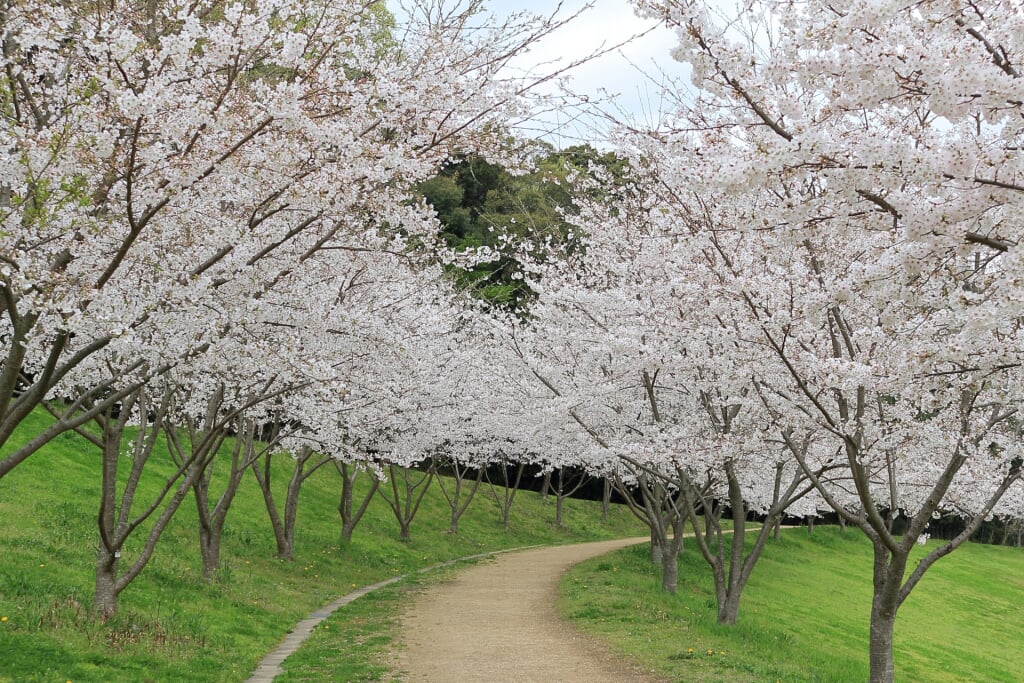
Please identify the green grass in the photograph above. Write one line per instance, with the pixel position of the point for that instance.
(804, 615)
(174, 626)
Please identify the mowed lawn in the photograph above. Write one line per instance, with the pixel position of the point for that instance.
(804, 615)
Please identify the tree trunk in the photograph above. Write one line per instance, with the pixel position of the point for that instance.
(606, 500)
(729, 608)
(657, 548)
(114, 520)
(284, 549)
(810, 524)
(731, 570)
(669, 570)
(350, 516)
(883, 621)
(545, 486)
(209, 548)
(405, 500)
(459, 497)
(566, 486)
(204, 446)
(509, 490)
(104, 599)
(888, 571)
(284, 525)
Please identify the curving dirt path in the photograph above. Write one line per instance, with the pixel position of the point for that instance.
(496, 622)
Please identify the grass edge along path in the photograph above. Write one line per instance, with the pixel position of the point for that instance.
(804, 616)
(270, 666)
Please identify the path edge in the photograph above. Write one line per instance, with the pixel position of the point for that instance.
(270, 666)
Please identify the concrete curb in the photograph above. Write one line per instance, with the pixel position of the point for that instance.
(270, 666)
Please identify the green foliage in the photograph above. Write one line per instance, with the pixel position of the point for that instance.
(48, 549)
(481, 204)
(804, 617)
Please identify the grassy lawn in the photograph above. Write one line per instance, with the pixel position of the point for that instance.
(804, 615)
(174, 626)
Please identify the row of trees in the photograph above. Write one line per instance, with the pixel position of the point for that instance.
(211, 227)
(808, 295)
(800, 292)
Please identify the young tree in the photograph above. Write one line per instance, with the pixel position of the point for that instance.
(348, 511)
(305, 462)
(660, 507)
(504, 491)
(464, 482)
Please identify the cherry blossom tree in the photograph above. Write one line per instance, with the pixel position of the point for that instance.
(850, 178)
(635, 348)
(162, 157)
(350, 513)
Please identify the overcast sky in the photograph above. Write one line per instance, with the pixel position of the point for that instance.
(630, 74)
(619, 74)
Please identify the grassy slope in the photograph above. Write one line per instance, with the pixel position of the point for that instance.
(804, 616)
(174, 626)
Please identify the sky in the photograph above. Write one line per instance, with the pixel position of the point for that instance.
(625, 80)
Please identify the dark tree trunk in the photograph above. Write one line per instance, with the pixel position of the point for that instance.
(459, 497)
(888, 572)
(606, 500)
(660, 511)
(891, 587)
(731, 564)
(545, 486)
(669, 570)
(405, 500)
(283, 522)
(565, 486)
(115, 522)
(105, 594)
(883, 668)
(350, 515)
(657, 546)
(209, 547)
(213, 517)
(729, 610)
(508, 491)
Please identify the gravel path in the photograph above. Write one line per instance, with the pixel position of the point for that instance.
(496, 622)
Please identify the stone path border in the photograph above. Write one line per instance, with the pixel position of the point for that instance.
(270, 666)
